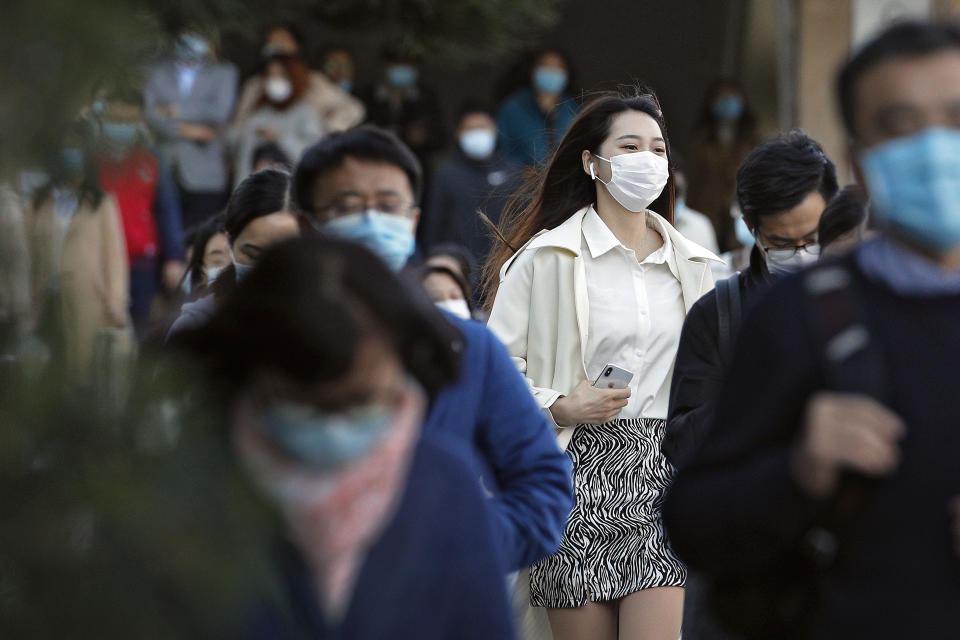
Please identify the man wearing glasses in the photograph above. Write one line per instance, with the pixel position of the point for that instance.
(364, 185)
(783, 187)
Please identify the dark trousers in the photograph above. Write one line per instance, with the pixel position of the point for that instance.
(143, 287)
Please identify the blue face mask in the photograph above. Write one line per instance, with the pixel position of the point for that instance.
(478, 143)
(71, 159)
(549, 80)
(402, 76)
(121, 135)
(324, 441)
(914, 185)
(242, 271)
(744, 235)
(387, 235)
(191, 48)
(728, 107)
(345, 85)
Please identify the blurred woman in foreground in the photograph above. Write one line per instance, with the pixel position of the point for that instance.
(330, 363)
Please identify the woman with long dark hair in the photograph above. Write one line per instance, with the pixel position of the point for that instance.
(599, 281)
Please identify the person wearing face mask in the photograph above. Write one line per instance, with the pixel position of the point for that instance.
(448, 290)
(725, 132)
(589, 276)
(782, 187)
(284, 116)
(149, 207)
(258, 216)
(339, 67)
(336, 109)
(189, 99)
(476, 177)
(78, 257)
(329, 364)
(533, 118)
(209, 257)
(859, 471)
(363, 185)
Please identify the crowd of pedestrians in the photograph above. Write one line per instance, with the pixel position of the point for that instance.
(518, 393)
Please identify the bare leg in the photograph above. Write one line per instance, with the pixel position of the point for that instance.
(652, 614)
(595, 621)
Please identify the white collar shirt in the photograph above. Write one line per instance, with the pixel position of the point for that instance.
(636, 312)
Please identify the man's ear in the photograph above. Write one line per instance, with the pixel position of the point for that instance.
(415, 216)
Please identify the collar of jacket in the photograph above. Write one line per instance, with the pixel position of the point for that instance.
(568, 234)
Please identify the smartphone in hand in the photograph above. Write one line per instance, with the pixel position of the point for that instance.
(613, 377)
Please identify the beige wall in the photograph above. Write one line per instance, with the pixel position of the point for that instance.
(823, 42)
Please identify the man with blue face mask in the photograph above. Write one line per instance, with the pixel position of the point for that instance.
(859, 472)
(364, 185)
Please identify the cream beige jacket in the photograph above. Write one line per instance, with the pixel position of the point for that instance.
(541, 309)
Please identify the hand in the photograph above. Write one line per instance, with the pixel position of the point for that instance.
(267, 133)
(845, 431)
(954, 506)
(588, 405)
(196, 132)
(173, 271)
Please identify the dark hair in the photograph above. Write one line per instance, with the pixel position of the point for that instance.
(908, 39)
(84, 131)
(271, 152)
(258, 195)
(290, 28)
(198, 241)
(463, 256)
(780, 173)
(471, 106)
(363, 143)
(707, 122)
(307, 307)
(844, 213)
(431, 269)
(562, 188)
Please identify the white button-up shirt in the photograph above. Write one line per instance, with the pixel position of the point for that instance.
(636, 314)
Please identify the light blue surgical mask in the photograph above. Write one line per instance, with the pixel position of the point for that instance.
(191, 47)
(549, 79)
(71, 159)
(389, 236)
(242, 271)
(402, 76)
(744, 235)
(478, 143)
(728, 107)
(121, 135)
(914, 185)
(345, 85)
(324, 441)
(213, 272)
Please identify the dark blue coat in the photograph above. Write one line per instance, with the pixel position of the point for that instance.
(490, 410)
(527, 135)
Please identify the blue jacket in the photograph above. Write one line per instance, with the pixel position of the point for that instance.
(527, 136)
(434, 573)
(490, 410)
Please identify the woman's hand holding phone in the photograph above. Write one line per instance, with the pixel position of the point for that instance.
(587, 404)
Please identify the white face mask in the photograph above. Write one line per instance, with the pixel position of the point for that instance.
(636, 179)
(478, 143)
(277, 89)
(459, 308)
(781, 261)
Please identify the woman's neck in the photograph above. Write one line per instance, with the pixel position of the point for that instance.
(630, 228)
(546, 101)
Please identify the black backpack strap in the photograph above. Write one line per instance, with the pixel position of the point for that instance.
(728, 315)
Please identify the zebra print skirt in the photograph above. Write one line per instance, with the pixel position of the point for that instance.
(614, 543)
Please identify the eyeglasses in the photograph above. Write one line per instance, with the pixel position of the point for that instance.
(350, 206)
(812, 247)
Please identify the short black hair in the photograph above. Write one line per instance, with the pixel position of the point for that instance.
(271, 152)
(366, 142)
(908, 39)
(780, 173)
(844, 213)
